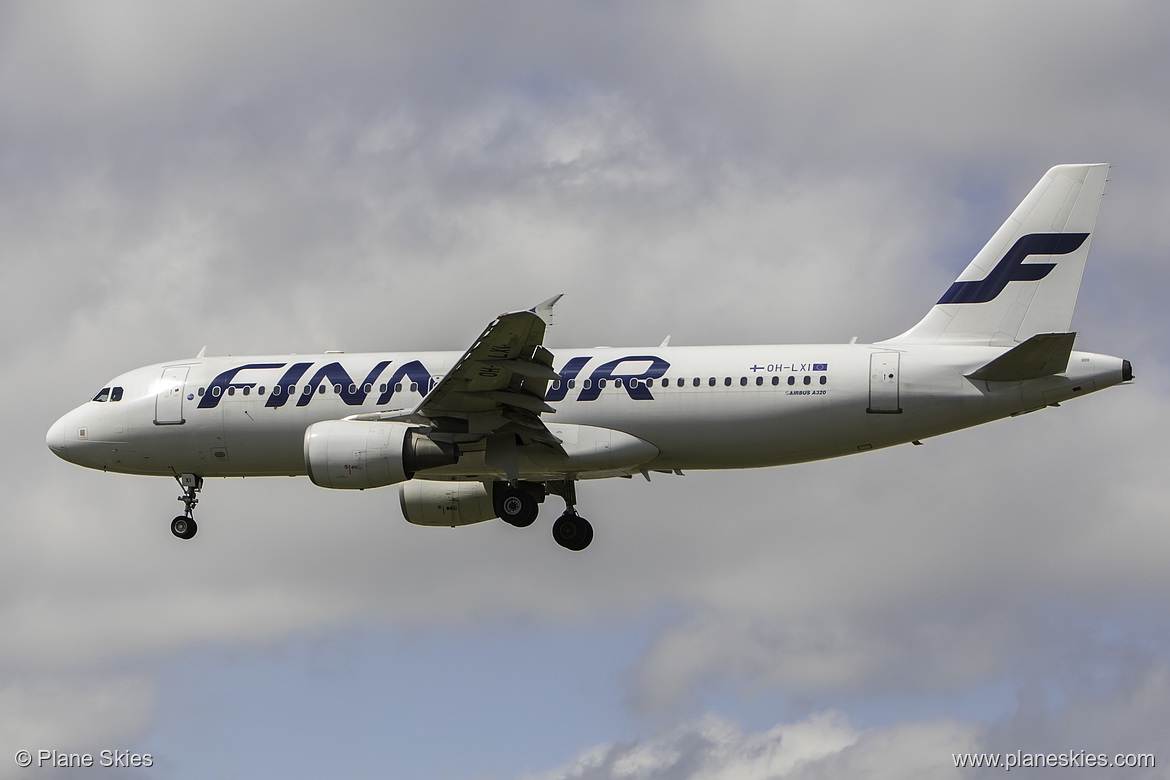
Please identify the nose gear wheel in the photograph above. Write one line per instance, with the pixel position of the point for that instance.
(184, 526)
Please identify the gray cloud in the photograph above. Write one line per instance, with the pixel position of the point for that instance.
(308, 176)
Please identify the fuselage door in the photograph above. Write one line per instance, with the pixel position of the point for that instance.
(883, 383)
(168, 404)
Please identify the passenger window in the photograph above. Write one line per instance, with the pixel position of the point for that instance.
(116, 394)
(775, 380)
(743, 381)
(649, 382)
(215, 391)
(102, 396)
(200, 392)
(808, 380)
(414, 387)
(759, 381)
(791, 380)
(824, 379)
(231, 390)
(711, 382)
(587, 384)
(247, 390)
(727, 381)
(260, 390)
(696, 383)
(321, 390)
(556, 385)
(572, 383)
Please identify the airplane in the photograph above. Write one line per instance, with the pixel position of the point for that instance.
(493, 431)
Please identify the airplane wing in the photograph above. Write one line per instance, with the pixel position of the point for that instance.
(501, 379)
(495, 390)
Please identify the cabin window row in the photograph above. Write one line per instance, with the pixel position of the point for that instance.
(307, 389)
(694, 382)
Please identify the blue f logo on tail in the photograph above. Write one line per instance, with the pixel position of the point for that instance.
(1011, 267)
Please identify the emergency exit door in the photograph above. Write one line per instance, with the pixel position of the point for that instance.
(883, 383)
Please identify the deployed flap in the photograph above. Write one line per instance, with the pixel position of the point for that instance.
(499, 383)
(1042, 355)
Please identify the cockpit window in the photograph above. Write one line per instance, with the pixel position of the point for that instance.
(103, 396)
(116, 394)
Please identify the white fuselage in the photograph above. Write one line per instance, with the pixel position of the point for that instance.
(699, 407)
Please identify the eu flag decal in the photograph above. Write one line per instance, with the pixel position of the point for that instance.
(820, 366)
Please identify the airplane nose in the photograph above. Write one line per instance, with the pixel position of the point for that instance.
(55, 438)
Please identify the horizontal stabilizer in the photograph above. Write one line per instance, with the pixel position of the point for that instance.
(1044, 354)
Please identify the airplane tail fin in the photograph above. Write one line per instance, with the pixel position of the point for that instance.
(1025, 279)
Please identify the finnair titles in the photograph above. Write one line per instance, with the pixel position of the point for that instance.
(495, 430)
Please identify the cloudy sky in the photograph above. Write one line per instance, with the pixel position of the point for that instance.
(298, 176)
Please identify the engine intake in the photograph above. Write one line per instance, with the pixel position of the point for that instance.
(355, 455)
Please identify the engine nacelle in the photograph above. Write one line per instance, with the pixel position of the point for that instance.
(446, 503)
(350, 454)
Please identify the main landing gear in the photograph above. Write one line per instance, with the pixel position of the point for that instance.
(518, 504)
(184, 525)
(572, 531)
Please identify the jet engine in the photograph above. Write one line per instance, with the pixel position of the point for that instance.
(446, 503)
(350, 454)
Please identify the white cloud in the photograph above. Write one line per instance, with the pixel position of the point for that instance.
(824, 745)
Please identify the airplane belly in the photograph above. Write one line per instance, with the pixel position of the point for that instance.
(261, 441)
(705, 430)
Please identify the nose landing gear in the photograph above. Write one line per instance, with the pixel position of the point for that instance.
(184, 526)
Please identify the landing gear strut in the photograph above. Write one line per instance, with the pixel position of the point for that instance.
(518, 503)
(184, 525)
(570, 530)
